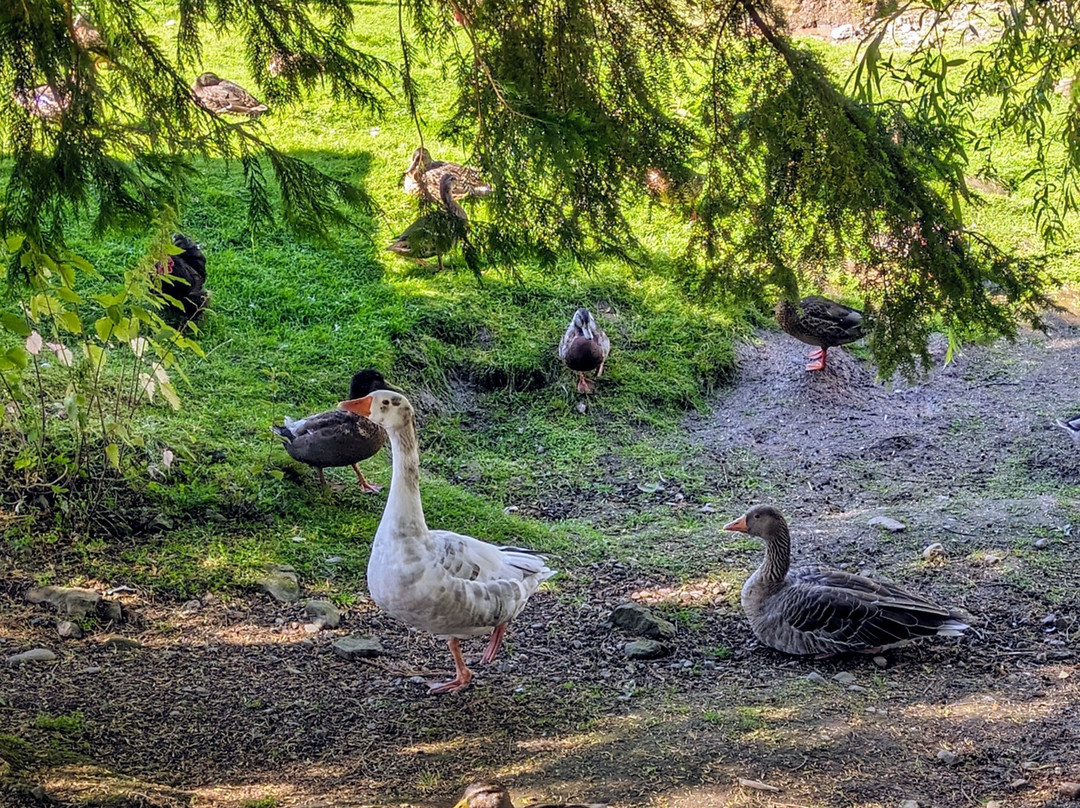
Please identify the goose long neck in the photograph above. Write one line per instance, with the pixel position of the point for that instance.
(777, 554)
(404, 513)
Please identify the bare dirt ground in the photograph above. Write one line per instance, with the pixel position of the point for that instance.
(235, 702)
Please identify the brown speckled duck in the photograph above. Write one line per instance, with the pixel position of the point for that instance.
(221, 96)
(424, 177)
(584, 347)
(336, 437)
(489, 794)
(823, 611)
(436, 233)
(821, 322)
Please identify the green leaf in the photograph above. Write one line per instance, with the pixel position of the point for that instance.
(23, 463)
(169, 393)
(112, 451)
(104, 328)
(70, 295)
(97, 355)
(18, 356)
(15, 324)
(277, 474)
(69, 321)
(14, 243)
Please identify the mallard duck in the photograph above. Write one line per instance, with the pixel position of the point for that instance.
(584, 347)
(43, 102)
(302, 64)
(219, 96)
(489, 794)
(821, 322)
(183, 276)
(823, 611)
(337, 437)
(682, 190)
(1072, 426)
(444, 583)
(424, 178)
(437, 233)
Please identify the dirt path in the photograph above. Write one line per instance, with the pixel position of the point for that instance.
(235, 702)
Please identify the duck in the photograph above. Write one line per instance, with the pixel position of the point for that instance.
(301, 64)
(424, 177)
(43, 102)
(680, 190)
(436, 233)
(219, 96)
(824, 611)
(335, 437)
(183, 276)
(446, 584)
(87, 37)
(822, 322)
(584, 347)
(1072, 426)
(492, 794)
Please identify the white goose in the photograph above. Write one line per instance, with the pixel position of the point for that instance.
(447, 584)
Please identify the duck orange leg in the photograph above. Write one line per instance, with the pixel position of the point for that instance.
(584, 385)
(819, 360)
(370, 488)
(464, 675)
(494, 643)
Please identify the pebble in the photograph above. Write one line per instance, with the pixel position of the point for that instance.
(885, 523)
(582, 407)
(111, 611)
(33, 655)
(707, 508)
(881, 662)
(323, 613)
(641, 622)
(65, 628)
(92, 669)
(947, 757)
(815, 677)
(645, 649)
(358, 647)
(119, 643)
(191, 607)
(1070, 790)
(1042, 544)
(844, 678)
(281, 583)
(995, 804)
(39, 794)
(991, 559)
(909, 804)
(935, 550)
(856, 688)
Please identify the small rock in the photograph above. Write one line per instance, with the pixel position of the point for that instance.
(707, 508)
(842, 32)
(995, 804)
(111, 611)
(92, 669)
(358, 647)
(909, 804)
(281, 584)
(881, 662)
(312, 628)
(815, 677)
(885, 523)
(844, 678)
(639, 621)
(947, 757)
(118, 643)
(934, 551)
(71, 601)
(1070, 790)
(323, 613)
(856, 689)
(645, 649)
(1042, 544)
(72, 631)
(582, 407)
(191, 607)
(39, 794)
(991, 559)
(33, 655)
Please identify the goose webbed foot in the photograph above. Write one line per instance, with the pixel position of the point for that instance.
(819, 360)
(585, 385)
(463, 677)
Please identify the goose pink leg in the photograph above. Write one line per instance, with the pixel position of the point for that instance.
(464, 675)
(494, 643)
(819, 360)
(370, 488)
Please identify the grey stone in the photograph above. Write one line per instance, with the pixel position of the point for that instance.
(844, 678)
(1070, 790)
(933, 551)
(39, 794)
(70, 601)
(909, 804)
(639, 621)
(885, 523)
(191, 607)
(323, 613)
(856, 689)
(73, 631)
(815, 677)
(358, 647)
(1042, 544)
(111, 611)
(281, 583)
(842, 32)
(881, 662)
(118, 643)
(33, 655)
(947, 757)
(646, 649)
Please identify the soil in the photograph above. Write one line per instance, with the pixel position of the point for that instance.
(235, 702)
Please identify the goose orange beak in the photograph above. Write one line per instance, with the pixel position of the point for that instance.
(739, 525)
(360, 406)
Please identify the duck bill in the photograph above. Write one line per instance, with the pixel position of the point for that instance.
(359, 406)
(738, 526)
